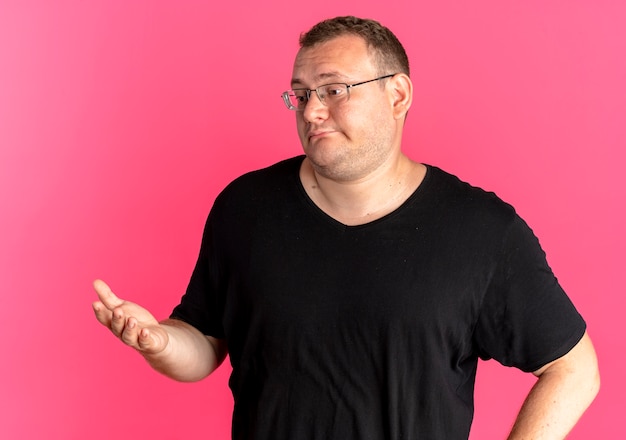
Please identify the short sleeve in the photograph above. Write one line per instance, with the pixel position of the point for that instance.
(201, 305)
(526, 319)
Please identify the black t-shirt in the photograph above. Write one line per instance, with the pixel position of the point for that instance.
(370, 331)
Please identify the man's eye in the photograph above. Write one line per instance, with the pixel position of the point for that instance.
(335, 91)
(300, 97)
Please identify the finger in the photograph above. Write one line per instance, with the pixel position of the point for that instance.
(106, 295)
(103, 315)
(130, 333)
(151, 341)
(145, 340)
(118, 322)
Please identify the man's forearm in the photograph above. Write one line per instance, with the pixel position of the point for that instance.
(561, 395)
(189, 356)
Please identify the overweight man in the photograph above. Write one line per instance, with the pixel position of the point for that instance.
(354, 288)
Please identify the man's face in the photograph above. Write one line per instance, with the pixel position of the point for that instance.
(350, 140)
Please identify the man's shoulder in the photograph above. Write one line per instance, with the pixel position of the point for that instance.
(258, 186)
(449, 192)
(286, 169)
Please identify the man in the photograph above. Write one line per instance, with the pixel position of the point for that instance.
(355, 289)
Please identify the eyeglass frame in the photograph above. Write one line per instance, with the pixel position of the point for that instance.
(287, 101)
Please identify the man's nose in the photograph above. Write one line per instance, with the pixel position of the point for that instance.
(314, 108)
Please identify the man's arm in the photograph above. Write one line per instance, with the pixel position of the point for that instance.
(564, 390)
(171, 347)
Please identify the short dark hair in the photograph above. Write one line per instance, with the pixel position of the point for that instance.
(389, 53)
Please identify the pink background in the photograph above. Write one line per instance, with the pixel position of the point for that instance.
(121, 121)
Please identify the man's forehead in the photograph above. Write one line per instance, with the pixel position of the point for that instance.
(324, 76)
(337, 59)
(340, 44)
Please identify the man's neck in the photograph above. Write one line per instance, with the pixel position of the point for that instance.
(367, 199)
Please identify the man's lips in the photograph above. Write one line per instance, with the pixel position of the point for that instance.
(316, 134)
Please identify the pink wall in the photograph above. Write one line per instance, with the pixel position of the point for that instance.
(120, 122)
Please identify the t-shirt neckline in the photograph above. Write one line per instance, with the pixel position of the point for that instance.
(421, 189)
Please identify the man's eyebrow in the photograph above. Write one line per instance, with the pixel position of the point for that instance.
(321, 79)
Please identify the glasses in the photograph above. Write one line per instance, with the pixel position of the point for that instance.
(328, 94)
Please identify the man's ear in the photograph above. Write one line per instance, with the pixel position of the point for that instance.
(402, 94)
